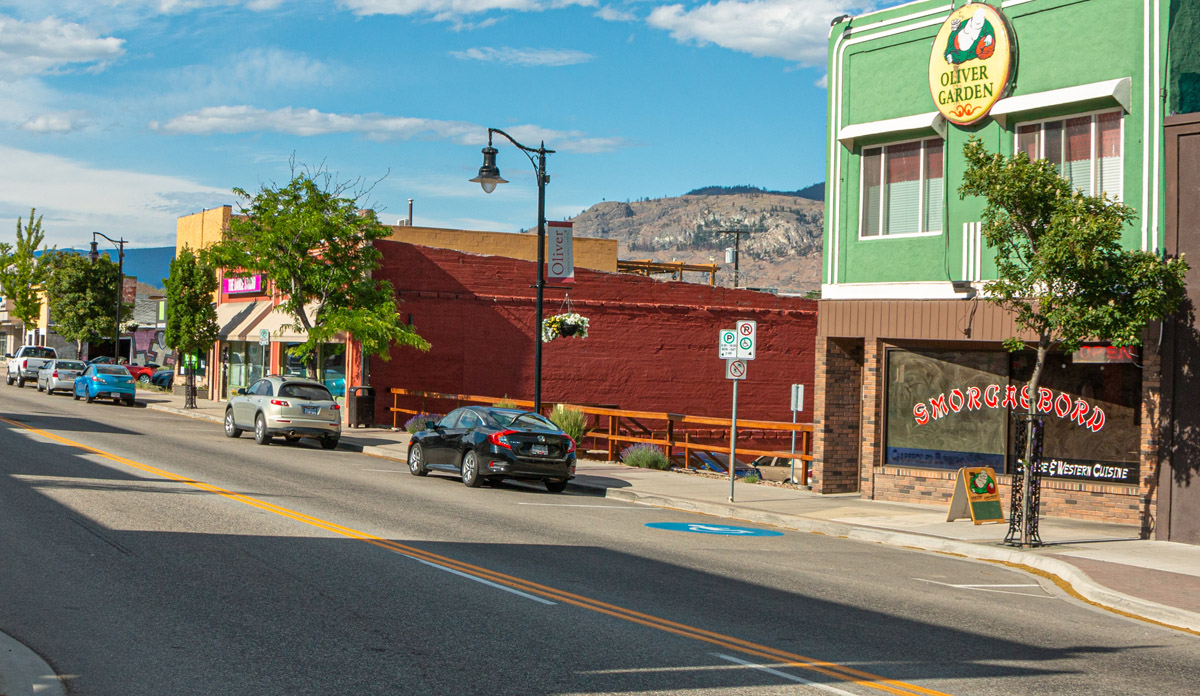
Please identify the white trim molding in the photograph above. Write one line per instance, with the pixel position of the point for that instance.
(972, 251)
(1118, 91)
(915, 290)
(932, 123)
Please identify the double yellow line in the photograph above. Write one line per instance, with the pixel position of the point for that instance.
(776, 656)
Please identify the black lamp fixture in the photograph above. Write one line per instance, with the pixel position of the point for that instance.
(94, 256)
(489, 177)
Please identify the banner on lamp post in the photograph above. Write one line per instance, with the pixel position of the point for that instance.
(560, 254)
(129, 289)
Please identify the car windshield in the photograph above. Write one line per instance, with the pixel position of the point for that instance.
(112, 370)
(39, 353)
(69, 365)
(312, 392)
(523, 419)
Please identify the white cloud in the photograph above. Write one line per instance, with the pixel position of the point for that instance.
(524, 56)
(612, 14)
(311, 122)
(53, 123)
(796, 31)
(823, 83)
(449, 10)
(33, 48)
(125, 13)
(76, 198)
(255, 69)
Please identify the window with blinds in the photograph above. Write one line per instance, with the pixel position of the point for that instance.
(902, 189)
(1085, 149)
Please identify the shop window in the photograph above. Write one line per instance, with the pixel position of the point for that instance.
(949, 409)
(331, 366)
(902, 189)
(1085, 149)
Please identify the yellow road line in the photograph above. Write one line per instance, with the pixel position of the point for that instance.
(784, 658)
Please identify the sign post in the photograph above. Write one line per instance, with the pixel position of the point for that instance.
(735, 348)
(797, 405)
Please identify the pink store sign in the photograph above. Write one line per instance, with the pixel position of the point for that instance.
(247, 284)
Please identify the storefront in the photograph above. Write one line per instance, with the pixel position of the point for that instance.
(912, 379)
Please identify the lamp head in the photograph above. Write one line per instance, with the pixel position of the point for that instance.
(489, 173)
(93, 255)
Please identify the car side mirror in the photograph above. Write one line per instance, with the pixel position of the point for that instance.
(8, 355)
(430, 425)
(239, 392)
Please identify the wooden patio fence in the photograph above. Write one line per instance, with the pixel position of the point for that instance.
(611, 428)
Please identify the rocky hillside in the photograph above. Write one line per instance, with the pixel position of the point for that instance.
(782, 250)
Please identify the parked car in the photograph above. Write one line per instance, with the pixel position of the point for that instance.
(164, 377)
(489, 444)
(25, 364)
(142, 373)
(293, 407)
(105, 382)
(59, 374)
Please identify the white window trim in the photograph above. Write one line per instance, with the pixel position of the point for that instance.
(933, 123)
(1095, 163)
(1119, 91)
(862, 212)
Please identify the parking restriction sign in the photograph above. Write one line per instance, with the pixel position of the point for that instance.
(735, 369)
(727, 345)
(747, 339)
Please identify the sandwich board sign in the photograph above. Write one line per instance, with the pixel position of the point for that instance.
(976, 495)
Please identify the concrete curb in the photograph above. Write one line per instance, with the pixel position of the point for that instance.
(199, 415)
(24, 673)
(1076, 579)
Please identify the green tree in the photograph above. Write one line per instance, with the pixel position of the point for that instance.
(1061, 269)
(21, 273)
(191, 316)
(315, 243)
(81, 294)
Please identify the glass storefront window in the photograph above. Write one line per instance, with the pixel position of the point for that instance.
(331, 366)
(949, 409)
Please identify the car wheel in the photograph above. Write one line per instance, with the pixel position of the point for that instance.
(88, 397)
(416, 461)
(556, 486)
(231, 429)
(20, 382)
(144, 379)
(329, 442)
(74, 394)
(38, 386)
(261, 436)
(470, 469)
(130, 401)
(8, 380)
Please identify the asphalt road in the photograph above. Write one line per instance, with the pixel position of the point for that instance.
(145, 553)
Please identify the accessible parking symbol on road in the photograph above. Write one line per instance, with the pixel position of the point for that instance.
(719, 529)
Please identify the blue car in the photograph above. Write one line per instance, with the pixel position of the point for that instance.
(101, 381)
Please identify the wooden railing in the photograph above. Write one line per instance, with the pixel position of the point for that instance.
(680, 435)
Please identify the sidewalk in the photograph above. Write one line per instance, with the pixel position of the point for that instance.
(1105, 564)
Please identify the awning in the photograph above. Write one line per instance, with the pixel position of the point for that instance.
(1116, 92)
(932, 123)
(281, 325)
(237, 319)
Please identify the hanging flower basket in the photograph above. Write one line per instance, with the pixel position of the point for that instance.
(560, 325)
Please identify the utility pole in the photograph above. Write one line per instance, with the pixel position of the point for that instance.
(737, 250)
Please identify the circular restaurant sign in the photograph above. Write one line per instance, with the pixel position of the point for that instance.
(971, 63)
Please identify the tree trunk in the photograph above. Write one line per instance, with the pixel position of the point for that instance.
(189, 389)
(1027, 515)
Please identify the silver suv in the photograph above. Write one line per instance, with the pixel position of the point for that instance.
(289, 406)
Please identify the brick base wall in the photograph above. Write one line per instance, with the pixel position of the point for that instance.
(837, 414)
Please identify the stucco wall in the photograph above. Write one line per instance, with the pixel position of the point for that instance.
(652, 345)
(199, 230)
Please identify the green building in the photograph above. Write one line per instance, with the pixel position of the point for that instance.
(911, 375)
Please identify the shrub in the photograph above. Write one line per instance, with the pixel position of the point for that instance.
(572, 421)
(417, 423)
(751, 478)
(645, 456)
(505, 403)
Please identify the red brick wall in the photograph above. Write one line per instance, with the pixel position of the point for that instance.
(652, 345)
(837, 430)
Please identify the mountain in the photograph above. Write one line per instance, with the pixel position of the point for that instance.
(782, 250)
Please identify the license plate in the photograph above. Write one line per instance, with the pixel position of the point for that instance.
(310, 410)
(540, 449)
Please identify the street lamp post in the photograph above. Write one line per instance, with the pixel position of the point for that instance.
(488, 178)
(94, 256)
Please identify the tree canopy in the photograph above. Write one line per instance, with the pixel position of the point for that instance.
(312, 239)
(21, 272)
(191, 316)
(82, 296)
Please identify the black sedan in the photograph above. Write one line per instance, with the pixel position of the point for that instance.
(489, 444)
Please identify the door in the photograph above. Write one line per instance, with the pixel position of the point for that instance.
(1179, 476)
(436, 452)
(454, 436)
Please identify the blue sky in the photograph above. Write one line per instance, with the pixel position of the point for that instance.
(120, 115)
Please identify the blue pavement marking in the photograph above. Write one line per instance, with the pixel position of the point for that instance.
(721, 529)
